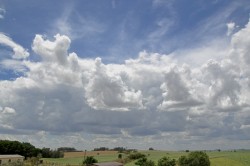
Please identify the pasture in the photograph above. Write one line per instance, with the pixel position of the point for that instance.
(223, 158)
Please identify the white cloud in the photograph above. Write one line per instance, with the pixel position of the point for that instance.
(154, 96)
(52, 51)
(230, 28)
(19, 51)
(16, 65)
(106, 91)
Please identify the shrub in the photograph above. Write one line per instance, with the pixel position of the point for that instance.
(183, 161)
(134, 156)
(144, 162)
(119, 156)
(197, 158)
(89, 160)
(166, 161)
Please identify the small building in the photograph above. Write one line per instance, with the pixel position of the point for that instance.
(5, 159)
(108, 164)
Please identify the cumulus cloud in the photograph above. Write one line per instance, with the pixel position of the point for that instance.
(19, 51)
(153, 96)
(52, 51)
(106, 91)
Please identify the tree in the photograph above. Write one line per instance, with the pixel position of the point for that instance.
(120, 156)
(136, 155)
(144, 162)
(89, 160)
(15, 147)
(101, 149)
(166, 161)
(66, 149)
(197, 158)
(119, 149)
(183, 161)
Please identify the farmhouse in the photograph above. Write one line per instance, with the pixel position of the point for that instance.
(108, 164)
(4, 159)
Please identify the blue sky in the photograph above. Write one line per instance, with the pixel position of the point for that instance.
(116, 30)
(169, 74)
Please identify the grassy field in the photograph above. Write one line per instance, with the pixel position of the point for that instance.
(224, 158)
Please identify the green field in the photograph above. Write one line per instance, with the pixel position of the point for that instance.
(224, 158)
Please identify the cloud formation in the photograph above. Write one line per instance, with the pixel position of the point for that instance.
(153, 97)
(19, 51)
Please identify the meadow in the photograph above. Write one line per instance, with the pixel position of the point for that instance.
(222, 158)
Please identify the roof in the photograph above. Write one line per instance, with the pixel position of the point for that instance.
(108, 164)
(11, 156)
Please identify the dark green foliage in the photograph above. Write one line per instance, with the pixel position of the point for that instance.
(119, 156)
(15, 147)
(66, 149)
(89, 160)
(166, 161)
(183, 161)
(101, 149)
(144, 162)
(119, 149)
(197, 158)
(136, 155)
(27, 150)
(49, 153)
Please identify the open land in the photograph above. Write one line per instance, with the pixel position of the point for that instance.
(222, 158)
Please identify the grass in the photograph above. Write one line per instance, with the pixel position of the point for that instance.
(239, 158)
(79, 160)
(223, 158)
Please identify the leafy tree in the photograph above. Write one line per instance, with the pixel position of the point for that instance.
(66, 149)
(89, 160)
(197, 158)
(48, 153)
(119, 149)
(134, 156)
(183, 161)
(15, 147)
(101, 149)
(144, 162)
(166, 161)
(119, 156)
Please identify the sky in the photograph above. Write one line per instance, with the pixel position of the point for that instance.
(167, 74)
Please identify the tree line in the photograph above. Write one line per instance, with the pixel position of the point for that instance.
(28, 150)
(196, 158)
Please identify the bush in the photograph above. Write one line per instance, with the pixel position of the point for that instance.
(120, 156)
(183, 161)
(89, 161)
(135, 156)
(166, 161)
(197, 158)
(144, 162)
